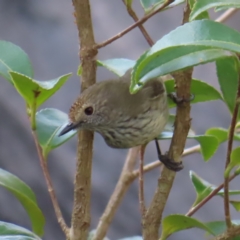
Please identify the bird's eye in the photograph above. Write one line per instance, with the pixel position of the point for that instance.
(88, 111)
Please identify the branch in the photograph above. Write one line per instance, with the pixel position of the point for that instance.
(121, 188)
(229, 150)
(226, 15)
(153, 216)
(139, 22)
(126, 178)
(140, 26)
(141, 182)
(51, 191)
(82, 184)
(157, 163)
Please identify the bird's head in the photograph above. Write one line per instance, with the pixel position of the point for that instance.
(87, 112)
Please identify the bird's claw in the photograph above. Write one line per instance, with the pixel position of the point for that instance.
(179, 100)
(170, 164)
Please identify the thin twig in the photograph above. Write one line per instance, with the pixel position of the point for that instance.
(141, 21)
(157, 163)
(140, 26)
(121, 188)
(51, 191)
(81, 216)
(229, 150)
(141, 182)
(206, 199)
(226, 15)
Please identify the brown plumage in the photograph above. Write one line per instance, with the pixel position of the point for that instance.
(124, 120)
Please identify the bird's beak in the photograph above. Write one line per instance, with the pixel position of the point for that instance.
(68, 128)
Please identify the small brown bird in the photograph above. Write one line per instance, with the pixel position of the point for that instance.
(124, 120)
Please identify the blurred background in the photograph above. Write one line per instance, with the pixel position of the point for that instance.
(46, 31)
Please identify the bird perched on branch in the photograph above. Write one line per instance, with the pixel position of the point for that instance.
(124, 120)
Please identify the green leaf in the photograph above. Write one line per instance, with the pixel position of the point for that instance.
(202, 91)
(203, 5)
(194, 43)
(203, 15)
(220, 133)
(128, 2)
(231, 192)
(79, 71)
(219, 227)
(202, 187)
(117, 65)
(12, 231)
(227, 72)
(234, 161)
(158, 4)
(221, 8)
(27, 198)
(49, 123)
(177, 222)
(235, 204)
(209, 145)
(148, 4)
(36, 92)
(13, 58)
(235, 156)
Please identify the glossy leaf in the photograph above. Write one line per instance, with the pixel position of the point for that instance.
(221, 8)
(148, 4)
(13, 58)
(231, 192)
(14, 232)
(26, 197)
(234, 161)
(209, 144)
(36, 92)
(117, 65)
(128, 2)
(158, 4)
(202, 187)
(220, 133)
(192, 44)
(50, 122)
(203, 5)
(227, 72)
(235, 156)
(235, 204)
(201, 90)
(177, 222)
(202, 15)
(219, 227)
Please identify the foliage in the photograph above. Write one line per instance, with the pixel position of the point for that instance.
(197, 42)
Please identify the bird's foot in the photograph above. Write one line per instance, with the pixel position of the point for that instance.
(179, 100)
(170, 164)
